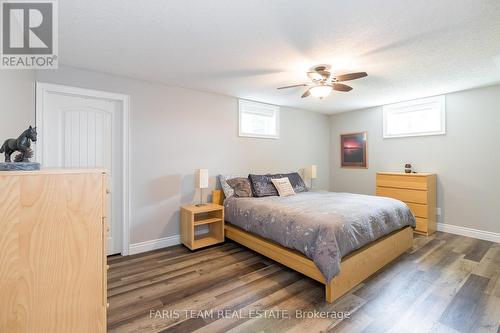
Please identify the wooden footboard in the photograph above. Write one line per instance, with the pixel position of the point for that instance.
(354, 268)
(361, 264)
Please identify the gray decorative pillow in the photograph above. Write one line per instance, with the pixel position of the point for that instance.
(296, 181)
(228, 190)
(262, 185)
(241, 187)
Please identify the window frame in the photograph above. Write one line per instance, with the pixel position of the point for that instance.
(273, 108)
(389, 109)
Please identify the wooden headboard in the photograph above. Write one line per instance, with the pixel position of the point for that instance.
(218, 197)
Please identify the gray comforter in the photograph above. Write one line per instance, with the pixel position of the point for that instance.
(324, 226)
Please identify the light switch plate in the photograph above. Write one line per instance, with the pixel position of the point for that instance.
(438, 211)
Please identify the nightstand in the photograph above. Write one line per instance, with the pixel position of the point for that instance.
(193, 218)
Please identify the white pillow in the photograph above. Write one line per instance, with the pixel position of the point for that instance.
(283, 186)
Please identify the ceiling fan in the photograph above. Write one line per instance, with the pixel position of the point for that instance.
(323, 82)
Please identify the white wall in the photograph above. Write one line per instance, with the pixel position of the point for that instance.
(173, 131)
(466, 159)
(17, 103)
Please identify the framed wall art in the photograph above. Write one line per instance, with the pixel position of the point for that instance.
(353, 150)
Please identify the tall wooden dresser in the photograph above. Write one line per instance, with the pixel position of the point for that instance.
(53, 251)
(417, 190)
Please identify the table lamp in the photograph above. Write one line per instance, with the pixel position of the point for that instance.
(201, 183)
(312, 173)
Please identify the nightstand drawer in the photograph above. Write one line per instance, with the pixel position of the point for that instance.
(406, 195)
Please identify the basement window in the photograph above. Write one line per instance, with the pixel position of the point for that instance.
(258, 120)
(419, 117)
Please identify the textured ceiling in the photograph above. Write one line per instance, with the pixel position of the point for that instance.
(248, 48)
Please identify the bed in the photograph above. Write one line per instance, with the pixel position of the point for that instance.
(338, 239)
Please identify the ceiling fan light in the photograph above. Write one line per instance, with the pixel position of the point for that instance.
(320, 91)
(315, 76)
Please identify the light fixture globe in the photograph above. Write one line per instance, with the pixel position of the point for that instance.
(320, 91)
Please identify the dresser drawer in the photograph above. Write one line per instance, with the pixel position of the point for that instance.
(406, 195)
(422, 225)
(418, 210)
(400, 181)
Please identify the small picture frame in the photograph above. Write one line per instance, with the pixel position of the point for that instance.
(353, 150)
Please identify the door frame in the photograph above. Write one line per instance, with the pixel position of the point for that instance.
(42, 88)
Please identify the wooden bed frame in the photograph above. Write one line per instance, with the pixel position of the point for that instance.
(354, 268)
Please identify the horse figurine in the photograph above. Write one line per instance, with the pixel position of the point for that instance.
(22, 144)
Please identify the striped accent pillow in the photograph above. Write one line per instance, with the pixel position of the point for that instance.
(283, 186)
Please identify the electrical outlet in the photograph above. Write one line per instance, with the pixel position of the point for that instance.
(438, 211)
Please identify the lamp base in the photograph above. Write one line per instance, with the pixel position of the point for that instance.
(201, 204)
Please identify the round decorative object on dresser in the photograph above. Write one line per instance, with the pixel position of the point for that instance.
(408, 168)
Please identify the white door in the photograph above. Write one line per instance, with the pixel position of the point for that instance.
(86, 132)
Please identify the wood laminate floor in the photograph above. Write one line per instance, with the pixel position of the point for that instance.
(446, 283)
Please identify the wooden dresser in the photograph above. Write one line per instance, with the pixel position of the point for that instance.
(417, 190)
(53, 266)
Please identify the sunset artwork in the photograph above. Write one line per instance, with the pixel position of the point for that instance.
(353, 150)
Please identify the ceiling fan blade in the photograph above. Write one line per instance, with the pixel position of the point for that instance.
(293, 86)
(307, 93)
(351, 76)
(341, 87)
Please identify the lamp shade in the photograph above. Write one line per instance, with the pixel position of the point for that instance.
(202, 178)
(312, 172)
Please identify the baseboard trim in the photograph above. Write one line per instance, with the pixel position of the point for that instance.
(154, 244)
(160, 243)
(449, 228)
(469, 232)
